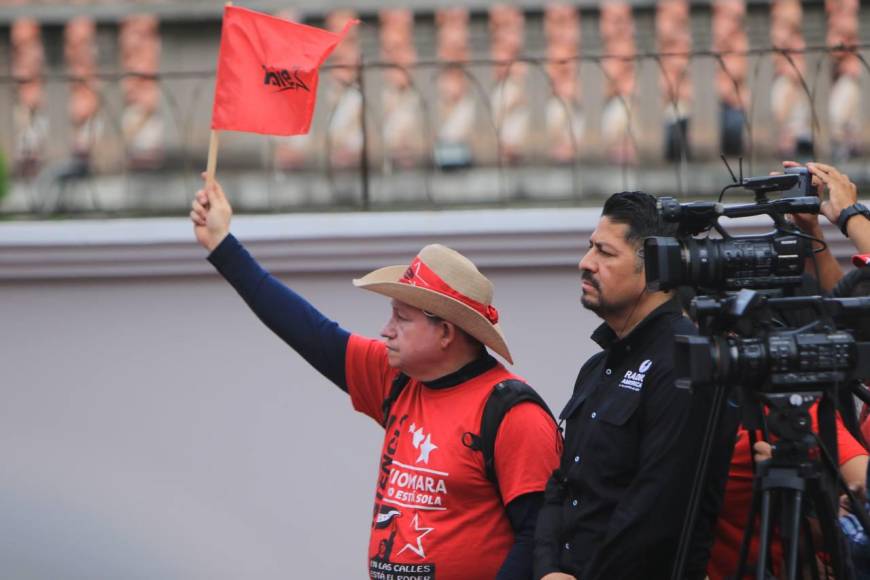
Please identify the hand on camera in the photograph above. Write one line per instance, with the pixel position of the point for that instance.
(807, 222)
(840, 190)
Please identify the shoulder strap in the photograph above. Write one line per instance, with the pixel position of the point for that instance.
(399, 384)
(504, 396)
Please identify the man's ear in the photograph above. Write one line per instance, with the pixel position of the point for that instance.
(639, 262)
(448, 333)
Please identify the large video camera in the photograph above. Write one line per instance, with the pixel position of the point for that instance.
(774, 260)
(758, 356)
(745, 321)
(765, 347)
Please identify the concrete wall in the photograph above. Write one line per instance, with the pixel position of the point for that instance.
(151, 427)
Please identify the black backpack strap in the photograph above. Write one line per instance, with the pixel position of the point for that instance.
(504, 396)
(399, 384)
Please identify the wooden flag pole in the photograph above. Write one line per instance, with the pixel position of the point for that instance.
(211, 164)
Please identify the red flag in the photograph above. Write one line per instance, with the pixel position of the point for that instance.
(267, 72)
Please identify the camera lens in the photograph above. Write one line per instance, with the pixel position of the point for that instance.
(726, 264)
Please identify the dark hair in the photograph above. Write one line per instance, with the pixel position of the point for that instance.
(638, 211)
(435, 319)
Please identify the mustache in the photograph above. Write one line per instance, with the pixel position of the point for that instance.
(586, 276)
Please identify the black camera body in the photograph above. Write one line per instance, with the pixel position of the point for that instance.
(793, 182)
(741, 308)
(774, 260)
(770, 353)
(764, 358)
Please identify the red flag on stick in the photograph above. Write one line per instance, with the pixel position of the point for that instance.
(267, 72)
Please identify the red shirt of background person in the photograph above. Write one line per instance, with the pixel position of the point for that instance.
(725, 553)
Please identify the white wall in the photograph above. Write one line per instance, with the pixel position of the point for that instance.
(151, 427)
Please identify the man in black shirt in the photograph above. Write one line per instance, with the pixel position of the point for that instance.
(615, 507)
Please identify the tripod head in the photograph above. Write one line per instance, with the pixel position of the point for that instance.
(790, 421)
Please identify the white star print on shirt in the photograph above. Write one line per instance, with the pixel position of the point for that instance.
(419, 548)
(418, 436)
(421, 442)
(426, 448)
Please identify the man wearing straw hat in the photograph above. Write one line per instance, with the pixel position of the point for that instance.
(444, 509)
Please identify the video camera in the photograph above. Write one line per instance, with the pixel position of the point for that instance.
(743, 318)
(773, 260)
(764, 347)
(758, 356)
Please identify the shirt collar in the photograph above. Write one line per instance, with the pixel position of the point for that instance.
(475, 368)
(606, 337)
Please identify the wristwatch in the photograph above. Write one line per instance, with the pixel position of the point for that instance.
(852, 210)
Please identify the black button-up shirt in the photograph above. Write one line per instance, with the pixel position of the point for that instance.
(614, 509)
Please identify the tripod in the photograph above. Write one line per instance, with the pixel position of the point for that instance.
(789, 478)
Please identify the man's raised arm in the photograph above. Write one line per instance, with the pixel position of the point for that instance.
(320, 341)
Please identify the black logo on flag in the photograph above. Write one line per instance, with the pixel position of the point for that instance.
(283, 80)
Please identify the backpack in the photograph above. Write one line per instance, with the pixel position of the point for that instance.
(504, 396)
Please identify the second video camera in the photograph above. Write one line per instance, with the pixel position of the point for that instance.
(774, 260)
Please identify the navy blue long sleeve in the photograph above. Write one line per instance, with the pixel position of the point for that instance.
(320, 341)
(523, 515)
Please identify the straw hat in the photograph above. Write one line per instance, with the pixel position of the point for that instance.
(447, 284)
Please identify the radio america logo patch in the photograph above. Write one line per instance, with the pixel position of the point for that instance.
(633, 380)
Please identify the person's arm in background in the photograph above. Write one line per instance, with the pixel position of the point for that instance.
(822, 264)
(527, 449)
(841, 194)
(548, 531)
(522, 513)
(859, 232)
(853, 470)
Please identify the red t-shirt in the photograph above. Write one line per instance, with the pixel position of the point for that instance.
(436, 515)
(864, 422)
(725, 554)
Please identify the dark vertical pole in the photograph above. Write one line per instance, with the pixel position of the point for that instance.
(364, 152)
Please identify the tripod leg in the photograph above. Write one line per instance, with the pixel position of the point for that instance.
(749, 530)
(791, 533)
(764, 536)
(809, 549)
